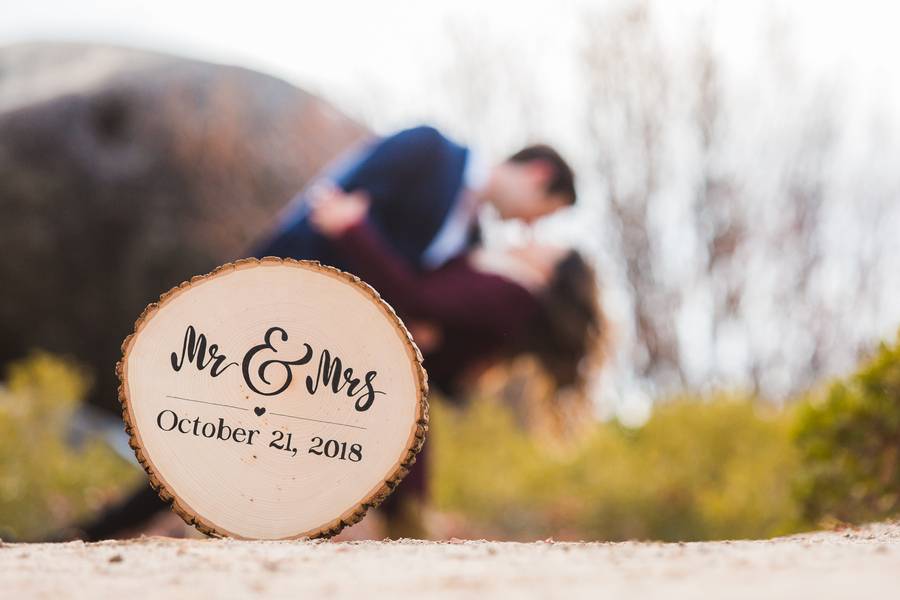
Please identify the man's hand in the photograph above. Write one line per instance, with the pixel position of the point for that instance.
(334, 211)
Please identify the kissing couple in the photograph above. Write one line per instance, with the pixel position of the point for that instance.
(402, 213)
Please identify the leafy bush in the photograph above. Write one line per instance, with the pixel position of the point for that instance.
(701, 467)
(711, 468)
(849, 440)
(45, 484)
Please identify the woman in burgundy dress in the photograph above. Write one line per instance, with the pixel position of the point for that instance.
(474, 309)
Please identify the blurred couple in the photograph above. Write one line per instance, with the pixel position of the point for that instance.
(402, 213)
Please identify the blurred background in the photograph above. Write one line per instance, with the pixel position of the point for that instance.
(738, 194)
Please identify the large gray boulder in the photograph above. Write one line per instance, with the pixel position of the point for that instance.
(124, 172)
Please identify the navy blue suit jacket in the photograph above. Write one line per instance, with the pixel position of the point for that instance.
(413, 177)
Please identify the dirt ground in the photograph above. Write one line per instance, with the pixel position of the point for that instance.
(854, 563)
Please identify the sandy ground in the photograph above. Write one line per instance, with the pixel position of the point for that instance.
(855, 563)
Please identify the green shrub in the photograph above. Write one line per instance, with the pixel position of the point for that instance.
(46, 485)
(849, 440)
(699, 469)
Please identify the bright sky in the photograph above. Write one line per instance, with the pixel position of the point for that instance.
(333, 47)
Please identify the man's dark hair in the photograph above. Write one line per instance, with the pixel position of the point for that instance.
(562, 181)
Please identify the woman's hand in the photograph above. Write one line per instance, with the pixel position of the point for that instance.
(427, 334)
(334, 211)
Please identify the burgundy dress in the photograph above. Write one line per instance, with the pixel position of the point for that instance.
(478, 314)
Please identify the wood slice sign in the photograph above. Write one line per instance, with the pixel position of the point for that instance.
(273, 399)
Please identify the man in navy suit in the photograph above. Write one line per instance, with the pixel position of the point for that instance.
(424, 194)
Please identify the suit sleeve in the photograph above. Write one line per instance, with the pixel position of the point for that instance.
(464, 298)
(392, 161)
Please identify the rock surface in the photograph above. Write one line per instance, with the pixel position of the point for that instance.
(123, 173)
(864, 563)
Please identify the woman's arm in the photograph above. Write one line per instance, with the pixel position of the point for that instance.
(456, 295)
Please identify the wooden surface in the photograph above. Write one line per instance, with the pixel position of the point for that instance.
(254, 430)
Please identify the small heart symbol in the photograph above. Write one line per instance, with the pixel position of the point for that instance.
(260, 410)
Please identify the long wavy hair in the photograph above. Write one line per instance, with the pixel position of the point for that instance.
(568, 334)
